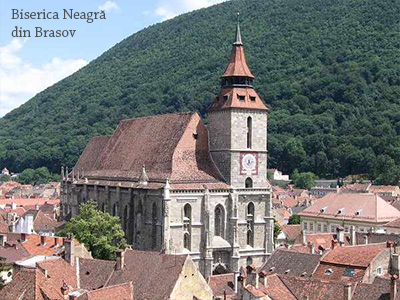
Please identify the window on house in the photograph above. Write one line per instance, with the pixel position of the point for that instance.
(319, 227)
(305, 226)
(379, 271)
(349, 272)
(241, 97)
(311, 227)
(226, 97)
(252, 98)
(248, 183)
(249, 132)
(325, 228)
(219, 220)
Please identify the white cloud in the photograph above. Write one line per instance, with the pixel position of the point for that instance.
(167, 9)
(20, 80)
(108, 6)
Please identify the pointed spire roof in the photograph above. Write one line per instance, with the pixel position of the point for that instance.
(238, 40)
(237, 66)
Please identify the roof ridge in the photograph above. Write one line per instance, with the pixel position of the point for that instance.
(159, 115)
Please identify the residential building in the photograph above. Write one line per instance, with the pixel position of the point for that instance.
(364, 211)
(277, 175)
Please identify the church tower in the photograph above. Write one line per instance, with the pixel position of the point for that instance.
(238, 125)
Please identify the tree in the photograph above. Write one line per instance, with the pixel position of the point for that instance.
(305, 180)
(277, 230)
(294, 219)
(37, 176)
(100, 232)
(5, 178)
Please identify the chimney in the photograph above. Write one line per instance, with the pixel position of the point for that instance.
(69, 245)
(334, 244)
(56, 242)
(303, 238)
(395, 264)
(65, 289)
(42, 240)
(340, 235)
(311, 247)
(353, 235)
(37, 207)
(393, 286)
(23, 237)
(3, 240)
(257, 278)
(347, 291)
(120, 259)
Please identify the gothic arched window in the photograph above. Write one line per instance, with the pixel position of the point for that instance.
(250, 224)
(249, 131)
(219, 221)
(186, 241)
(154, 223)
(103, 207)
(248, 183)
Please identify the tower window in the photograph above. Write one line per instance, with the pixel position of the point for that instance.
(248, 183)
(250, 224)
(249, 131)
(219, 221)
(252, 98)
(186, 241)
(226, 98)
(241, 97)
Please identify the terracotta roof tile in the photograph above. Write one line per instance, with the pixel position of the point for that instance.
(334, 272)
(357, 256)
(173, 146)
(294, 263)
(221, 284)
(362, 207)
(117, 292)
(229, 98)
(94, 273)
(32, 201)
(292, 232)
(145, 268)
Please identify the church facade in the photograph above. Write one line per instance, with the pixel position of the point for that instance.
(182, 188)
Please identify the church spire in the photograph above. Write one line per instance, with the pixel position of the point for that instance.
(238, 40)
(237, 71)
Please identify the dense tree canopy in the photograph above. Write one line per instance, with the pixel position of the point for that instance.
(304, 180)
(329, 71)
(37, 176)
(100, 232)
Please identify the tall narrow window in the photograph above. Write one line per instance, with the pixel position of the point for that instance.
(154, 223)
(115, 209)
(125, 221)
(187, 226)
(250, 224)
(249, 131)
(219, 221)
(248, 183)
(103, 207)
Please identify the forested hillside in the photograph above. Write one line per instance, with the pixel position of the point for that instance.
(328, 69)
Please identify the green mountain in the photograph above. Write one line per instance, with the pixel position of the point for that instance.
(328, 69)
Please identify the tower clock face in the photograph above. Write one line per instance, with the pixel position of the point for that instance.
(249, 162)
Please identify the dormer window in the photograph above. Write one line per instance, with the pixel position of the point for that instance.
(241, 97)
(287, 271)
(226, 97)
(358, 212)
(252, 98)
(322, 210)
(340, 211)
(328, 272)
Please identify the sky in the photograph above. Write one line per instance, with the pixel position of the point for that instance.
(28, 65)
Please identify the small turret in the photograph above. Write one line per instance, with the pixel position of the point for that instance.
(143, 179)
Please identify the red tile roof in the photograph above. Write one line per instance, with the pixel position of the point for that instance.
(32, 201)
(237, 65)
(357, 256)
(173, 146)
(117, 292)
(154, 275)
(223, 285)
(229, 98)
(357, 207)
(339, 273)
(292, 232)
